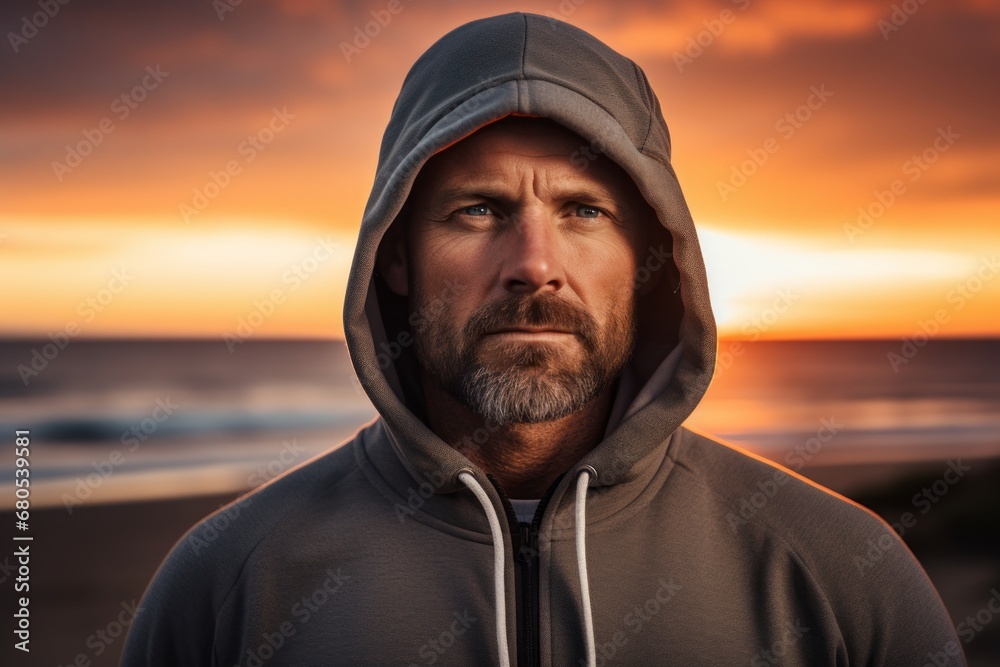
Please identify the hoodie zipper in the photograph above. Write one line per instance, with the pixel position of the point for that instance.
(527, 553)
(525, 542)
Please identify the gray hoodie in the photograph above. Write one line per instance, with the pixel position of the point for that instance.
(661, 546)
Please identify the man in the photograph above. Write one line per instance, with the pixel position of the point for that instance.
(528, 311)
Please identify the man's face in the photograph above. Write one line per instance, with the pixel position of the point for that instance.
(544, 243)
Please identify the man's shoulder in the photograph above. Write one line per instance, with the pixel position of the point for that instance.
(861, 569)
(219, 544)
(261, 510)
(205, 564)
(773, 509)
(759, 495)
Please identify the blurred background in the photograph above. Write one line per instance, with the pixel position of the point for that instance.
(181, 187)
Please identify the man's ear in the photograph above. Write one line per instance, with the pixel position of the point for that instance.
(391, 259)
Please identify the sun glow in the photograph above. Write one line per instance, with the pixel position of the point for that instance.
(774, 286)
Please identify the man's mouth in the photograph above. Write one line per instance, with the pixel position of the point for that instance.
(530, 332)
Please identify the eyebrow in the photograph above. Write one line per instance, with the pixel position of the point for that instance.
(597, 196)
(464, 191)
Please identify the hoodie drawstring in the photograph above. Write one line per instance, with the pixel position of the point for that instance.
(467, 478)
(581, 560)
(470, 481)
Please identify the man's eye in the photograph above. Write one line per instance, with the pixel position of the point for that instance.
(476, 210)
(587, 211)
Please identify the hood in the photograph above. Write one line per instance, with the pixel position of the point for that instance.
(527, 64)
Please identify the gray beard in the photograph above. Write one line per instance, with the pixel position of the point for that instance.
(519, 396)
(535, 385)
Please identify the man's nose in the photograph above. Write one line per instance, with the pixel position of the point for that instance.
(532, 260)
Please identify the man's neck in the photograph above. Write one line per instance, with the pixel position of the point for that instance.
(524, 458)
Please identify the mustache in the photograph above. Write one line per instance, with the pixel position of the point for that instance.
(516, 311)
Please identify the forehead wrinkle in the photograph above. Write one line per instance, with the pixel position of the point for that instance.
(480, 184)
(557, 177)
(559, 184)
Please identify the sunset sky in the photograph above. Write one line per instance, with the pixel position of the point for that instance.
(789, 121)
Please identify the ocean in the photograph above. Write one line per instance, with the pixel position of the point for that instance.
(124, 420)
